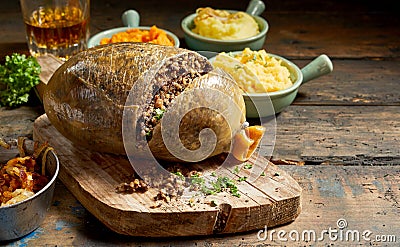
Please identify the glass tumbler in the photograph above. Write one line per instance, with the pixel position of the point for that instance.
(58, 27)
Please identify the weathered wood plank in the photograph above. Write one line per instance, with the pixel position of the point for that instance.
(19, 121)
(49, 65)
(339, 134)
(366, 197)
(353, 82)
(344, 35)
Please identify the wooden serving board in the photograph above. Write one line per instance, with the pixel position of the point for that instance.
(270, 200)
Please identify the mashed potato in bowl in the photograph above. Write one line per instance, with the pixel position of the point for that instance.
(255, 71)
(223, 25)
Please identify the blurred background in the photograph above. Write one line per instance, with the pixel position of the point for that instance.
(294, 25)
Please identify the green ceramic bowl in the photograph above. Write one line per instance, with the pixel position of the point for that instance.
(199, 43)
(267, 104)
(130, 19)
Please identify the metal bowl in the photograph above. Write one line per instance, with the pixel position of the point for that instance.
(200, 43)
(130, 19)
(20, 219)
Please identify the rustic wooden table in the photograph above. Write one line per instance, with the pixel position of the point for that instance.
(342, 131)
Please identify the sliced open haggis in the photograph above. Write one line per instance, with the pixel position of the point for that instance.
(165, 86)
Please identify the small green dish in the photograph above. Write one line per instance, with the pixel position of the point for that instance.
(268, 104)
(199, 43)
(130, 19)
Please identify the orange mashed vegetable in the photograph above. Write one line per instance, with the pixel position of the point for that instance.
(154, 35)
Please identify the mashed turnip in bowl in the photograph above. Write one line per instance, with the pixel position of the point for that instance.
(224, 25)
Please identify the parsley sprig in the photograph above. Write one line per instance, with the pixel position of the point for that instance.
(18, 76)
(213, 187)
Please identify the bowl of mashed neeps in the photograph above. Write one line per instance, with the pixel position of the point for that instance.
(226, 30)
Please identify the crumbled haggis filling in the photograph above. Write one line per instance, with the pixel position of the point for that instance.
(162, 100)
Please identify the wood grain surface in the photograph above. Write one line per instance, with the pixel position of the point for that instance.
(338, 140)
(365, 196)
(361, 135)
(271, 200)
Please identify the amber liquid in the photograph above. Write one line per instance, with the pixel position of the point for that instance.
(62, 32)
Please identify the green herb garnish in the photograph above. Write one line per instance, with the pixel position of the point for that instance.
(180, 175)
(221, 184)
(226, 183)
(18, 76)
(236, 170)
(159, 113)
(248, 166)
(241, 179)
(149, 134)
(197, 180)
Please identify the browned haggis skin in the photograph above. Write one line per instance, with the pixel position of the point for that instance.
(84, 100)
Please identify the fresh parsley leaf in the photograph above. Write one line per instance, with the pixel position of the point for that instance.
(180, 175)
(221, 184)
(159, 113)
(18, 76)
(235, 192)
(149, 134)
(248, 166)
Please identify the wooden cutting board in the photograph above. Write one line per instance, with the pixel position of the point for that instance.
(271, 200)
(92, 177)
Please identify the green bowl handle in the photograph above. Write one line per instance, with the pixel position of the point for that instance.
(320, 66)
(130, 18)
(255, 7)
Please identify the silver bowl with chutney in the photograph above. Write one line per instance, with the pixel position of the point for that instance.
(20, 219)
